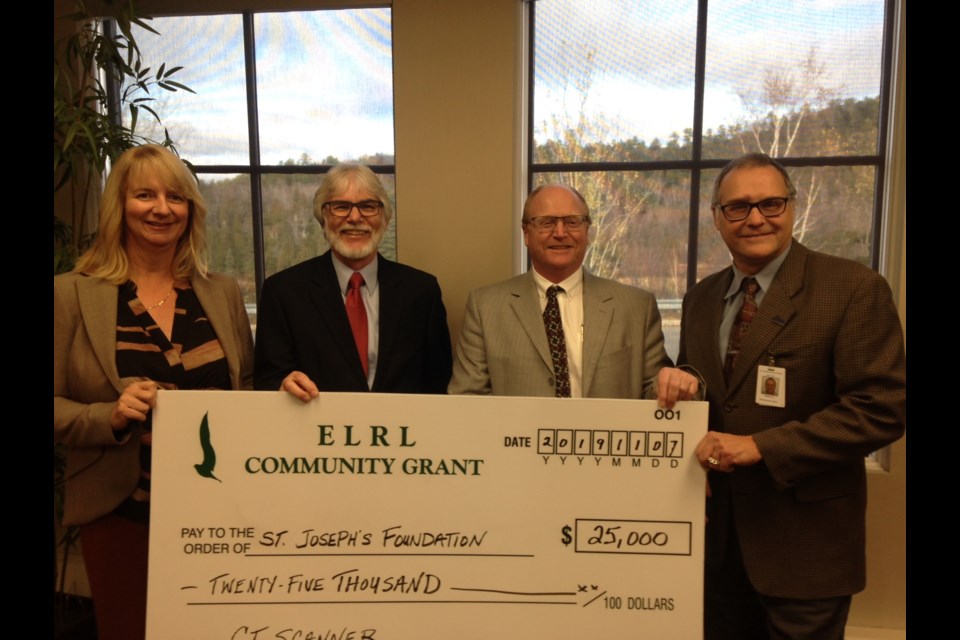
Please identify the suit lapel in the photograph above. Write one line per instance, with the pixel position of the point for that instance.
(327, 300)
(525, 302)
(221, 319)
(392, 304)
(705, 333)
(98, 306)
(598, 309)
(775, 312)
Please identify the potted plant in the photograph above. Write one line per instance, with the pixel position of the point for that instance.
(102, 88)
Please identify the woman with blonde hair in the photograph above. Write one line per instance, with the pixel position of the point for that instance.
(139, 312)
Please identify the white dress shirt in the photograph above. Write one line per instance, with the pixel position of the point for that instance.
(571, 315)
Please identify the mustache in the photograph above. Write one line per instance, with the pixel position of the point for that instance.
(360, 224)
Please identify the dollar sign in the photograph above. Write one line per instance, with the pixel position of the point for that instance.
(567, 539)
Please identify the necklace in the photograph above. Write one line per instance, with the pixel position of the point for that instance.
(160, 304)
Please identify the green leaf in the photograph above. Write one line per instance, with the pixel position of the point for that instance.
(141, 22)
(180, 86)
(94, 148)
(83, 133)
(71, 134)
(124, 26)
(150, 111)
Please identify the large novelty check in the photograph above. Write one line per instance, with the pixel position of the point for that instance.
(399, 517)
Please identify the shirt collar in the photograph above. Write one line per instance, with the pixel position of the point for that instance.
(764, 277)
(344, 272)
(571, 286)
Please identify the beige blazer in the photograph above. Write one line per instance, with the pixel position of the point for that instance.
(102, 472)
(503, 346)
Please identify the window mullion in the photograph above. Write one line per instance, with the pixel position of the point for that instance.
(253, 134)
(700, 65)
(890, 45)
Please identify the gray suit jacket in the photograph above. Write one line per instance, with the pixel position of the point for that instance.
(102, 472)
(832, 325)
(503, 345)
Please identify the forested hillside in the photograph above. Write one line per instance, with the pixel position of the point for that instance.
(640, 218)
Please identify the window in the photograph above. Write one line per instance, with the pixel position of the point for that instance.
(639, 103)
(279, 97)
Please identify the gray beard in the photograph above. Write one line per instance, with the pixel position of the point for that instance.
(354, 252)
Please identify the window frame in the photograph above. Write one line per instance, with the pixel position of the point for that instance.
(255, 169)
(880, 215)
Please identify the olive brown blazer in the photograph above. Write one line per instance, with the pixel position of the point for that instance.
(102, 472)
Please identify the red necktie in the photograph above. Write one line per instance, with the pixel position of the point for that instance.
(749, 286)
(357, 314)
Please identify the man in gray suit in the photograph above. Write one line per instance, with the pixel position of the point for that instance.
(607, 339)
(803, 358)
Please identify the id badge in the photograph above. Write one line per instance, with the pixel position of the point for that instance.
(772, 386)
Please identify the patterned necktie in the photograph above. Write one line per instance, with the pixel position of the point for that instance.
(558, 346)
(357, 314)
(749, 286)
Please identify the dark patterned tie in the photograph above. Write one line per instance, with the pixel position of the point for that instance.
(357, 314)
(749, 286)
(558, 346)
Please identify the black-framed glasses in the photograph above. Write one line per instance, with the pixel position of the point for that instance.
(342, 208)
(768, 208)
(549, 223)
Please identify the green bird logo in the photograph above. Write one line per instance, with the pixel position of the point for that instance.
(205, 468)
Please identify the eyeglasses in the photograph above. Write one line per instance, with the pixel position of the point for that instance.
(768, 208)
(342, 208)
(548, 223)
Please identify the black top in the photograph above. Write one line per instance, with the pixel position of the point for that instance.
(192, 359)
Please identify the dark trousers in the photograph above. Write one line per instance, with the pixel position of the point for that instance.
(733, 610)
(115, 555)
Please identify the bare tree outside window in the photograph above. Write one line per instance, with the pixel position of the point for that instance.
(620, 111)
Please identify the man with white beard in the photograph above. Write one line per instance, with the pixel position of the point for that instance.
(351, 320)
